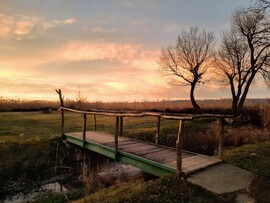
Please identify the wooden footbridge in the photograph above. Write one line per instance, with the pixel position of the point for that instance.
(149, 157)
(152, 158)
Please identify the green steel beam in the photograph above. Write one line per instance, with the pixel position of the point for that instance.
(73, 140)
(146, 165)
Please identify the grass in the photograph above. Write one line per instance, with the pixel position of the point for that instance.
(167, 189)
(24, 162)
(254, 158)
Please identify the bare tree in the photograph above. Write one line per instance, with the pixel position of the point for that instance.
(261, 5)
(80, 99)
(189, 60)
(244, 53)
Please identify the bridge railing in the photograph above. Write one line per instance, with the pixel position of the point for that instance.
(119, 127)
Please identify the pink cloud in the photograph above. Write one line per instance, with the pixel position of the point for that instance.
(80, 50)
(23, 27)
(6, 25)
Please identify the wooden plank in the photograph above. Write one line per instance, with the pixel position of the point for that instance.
(184, 155)
(162, 158)
(200, 166)
(152, 153)
(120, 143)
(137, 148)
(169, 160)
(192, 161)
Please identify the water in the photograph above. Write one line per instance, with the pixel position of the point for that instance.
(55, 187)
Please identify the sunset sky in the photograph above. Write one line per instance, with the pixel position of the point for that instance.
(106, 48)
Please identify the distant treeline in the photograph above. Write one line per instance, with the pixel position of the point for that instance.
(209, 106)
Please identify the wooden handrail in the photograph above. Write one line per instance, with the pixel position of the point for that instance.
(148, 113)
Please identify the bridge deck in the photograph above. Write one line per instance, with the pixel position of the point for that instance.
(157, 155)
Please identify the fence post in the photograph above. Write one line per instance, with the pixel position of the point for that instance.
(121, 126)
(84, 130)
(179, 149)
(61, 98)
(221, 138)
(116, 139)
(95, 122)
(158, 130)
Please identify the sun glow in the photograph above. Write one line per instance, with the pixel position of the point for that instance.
(5, 74)
(116, 85)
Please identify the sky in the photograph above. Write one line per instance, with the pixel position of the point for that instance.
(107, 49)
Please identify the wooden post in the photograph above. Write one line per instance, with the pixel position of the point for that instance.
(84, 137)
(84, 130)
(62, 112)
(95, 122)
(116, 139)
(121, 126)
(221, 138)
(179, 149)
(158, 130)
(61, 98)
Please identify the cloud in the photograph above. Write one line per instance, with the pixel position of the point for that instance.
(80, 50)
(103, 30)
(135, 55)
(23, 27)
(18, 25)
(6, 25)
(54, 23)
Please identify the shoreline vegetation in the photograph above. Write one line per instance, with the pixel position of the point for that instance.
(28, 142)
(208, 105)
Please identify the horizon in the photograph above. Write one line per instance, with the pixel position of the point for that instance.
(134, 101)
(107, 50)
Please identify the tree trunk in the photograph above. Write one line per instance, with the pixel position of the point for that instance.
(244, 95)
(235, 106)
(196, 107)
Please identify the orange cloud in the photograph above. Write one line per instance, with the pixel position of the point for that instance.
(23, 27)
(6, 25)
(79, 50)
